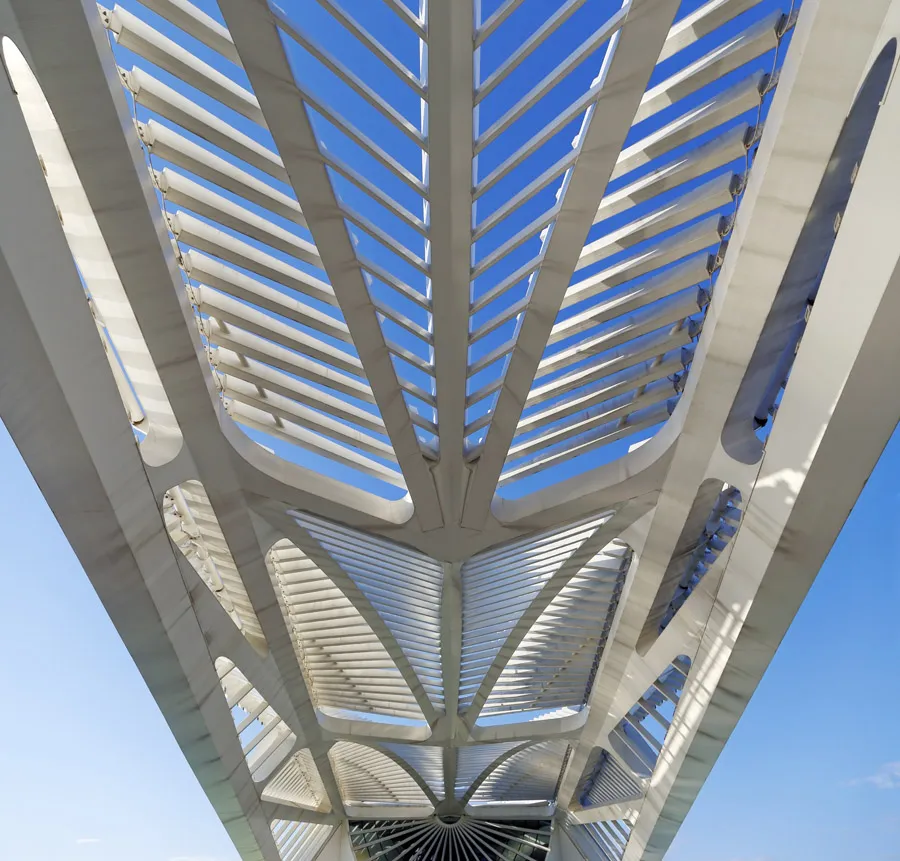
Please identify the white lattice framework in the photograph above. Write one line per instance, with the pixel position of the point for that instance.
(450, 401)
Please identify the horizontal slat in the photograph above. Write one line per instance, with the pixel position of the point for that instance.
(161, 99)
(595, 416)
(202, 236)
(233, 365)
(178, 150)
(195, 22)
(693, 271)
(225, 308)
(266, 423)
(701, 22)
(633, 423)
(725, 148)
(665, 312)
(526, 48)
(289, 361)
(703, 234)
(336, 67)
(632, 354)
(376, 47)
(717, 193)
(185, 192)
(757, 40)
(612, 386)
(284, 408)
(598, 38)
(211, 272)
(142, 39)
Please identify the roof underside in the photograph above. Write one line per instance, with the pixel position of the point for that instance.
(435, 423)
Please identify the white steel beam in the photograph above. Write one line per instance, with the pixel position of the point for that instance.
(450, 129)
(60, 404)
(97, 124)
(817, 458)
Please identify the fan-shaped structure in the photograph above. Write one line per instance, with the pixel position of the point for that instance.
(451, 402)
(462, 837)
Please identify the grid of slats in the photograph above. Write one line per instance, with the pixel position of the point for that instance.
(346, 665)
(617, 356)
(530, 775)
(499, 585)
(639, 737)
(194, 529)
(555, 664)
(300, 841)
(404, 587)
(264, 736)
(614, 362)
(284, 356)
(298, 784)
(367, 776)
(607, 781)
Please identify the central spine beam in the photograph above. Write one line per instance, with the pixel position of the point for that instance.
(450, 81)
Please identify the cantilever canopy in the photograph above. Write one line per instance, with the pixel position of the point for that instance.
(448, 419)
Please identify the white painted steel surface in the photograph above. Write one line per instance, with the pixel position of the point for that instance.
(450, 405)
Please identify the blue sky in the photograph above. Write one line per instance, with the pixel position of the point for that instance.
(91, 773)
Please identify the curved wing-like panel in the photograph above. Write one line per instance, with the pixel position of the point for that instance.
(367, 776)
(346, 665)
(473, 761)
(528, 776)
(427, 761)
(555, 664)
(499, 585)
(404, 587)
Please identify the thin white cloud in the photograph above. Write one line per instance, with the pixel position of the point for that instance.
(83, 841)
(887, 777)
(194, 858)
